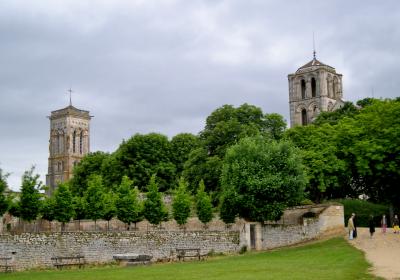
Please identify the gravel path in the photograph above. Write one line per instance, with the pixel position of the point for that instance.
(382, 251)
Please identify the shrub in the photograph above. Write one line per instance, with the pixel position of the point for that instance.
(363, 209)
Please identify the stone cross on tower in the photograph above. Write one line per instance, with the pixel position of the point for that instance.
(70, 91)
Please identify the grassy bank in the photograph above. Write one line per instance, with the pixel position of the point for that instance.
(332, 259)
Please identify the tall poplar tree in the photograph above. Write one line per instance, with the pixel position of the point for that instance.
(154, 209)
(181, 203)
(30, 199)
(204, 208)
(63, 205)
(129, 208)
(94, 199)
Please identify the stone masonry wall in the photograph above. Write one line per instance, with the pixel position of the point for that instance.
(329, 221)
(32, 250)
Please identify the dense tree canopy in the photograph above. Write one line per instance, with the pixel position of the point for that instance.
(318, 148)
(91, 164)
(224, 128)
(264, 177)
(143, 155)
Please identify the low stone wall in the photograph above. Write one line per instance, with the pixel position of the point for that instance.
(33, 250)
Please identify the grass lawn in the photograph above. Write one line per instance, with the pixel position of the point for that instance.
(332, 259)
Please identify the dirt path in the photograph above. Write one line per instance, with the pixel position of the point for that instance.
(382, 250)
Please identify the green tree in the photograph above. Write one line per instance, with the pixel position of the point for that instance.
(78, 203)
(224, 128)
(326, 172)
(347, 110)
(370, 145)
(63, 205)
(94, 198)
(4, 202)
(228, 210)
(181, 146)
(110, 210)
(154, 209)
(181, 203)
(144, 155)
(275, 125)
(265, 176)
(90, 164)
(129, 207)
(204, 207)
(47, 210)
(30, 199)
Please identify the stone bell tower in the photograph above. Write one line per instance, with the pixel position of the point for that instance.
(69, 142)
(315, 87)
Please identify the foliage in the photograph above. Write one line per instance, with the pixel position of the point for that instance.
(201, 166)
(204, 207)
(30, 199)
(181, 203)
(144, 155)
(129, 208)
(264, 178)
(227, 208)
(332, 118)
(94, 198)
(275, 125)
(181, 146)
(363, 210)
(47, 209)
(14, 209)
(4, 202)
(63, 204)
(110, 211)
(224, 128)
(78, 203)
(318, 148)
(154, 209)
(329, 260)
(370, 144)
(90, 164)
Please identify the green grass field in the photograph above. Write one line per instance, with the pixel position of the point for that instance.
(332, 259)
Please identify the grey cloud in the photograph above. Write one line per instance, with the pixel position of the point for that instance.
(164, 66)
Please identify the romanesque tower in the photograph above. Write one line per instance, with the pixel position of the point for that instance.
(313, 88)
(69, 142)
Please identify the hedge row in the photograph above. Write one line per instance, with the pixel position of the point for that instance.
(363, 209)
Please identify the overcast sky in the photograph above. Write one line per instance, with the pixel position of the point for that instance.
(163, 66)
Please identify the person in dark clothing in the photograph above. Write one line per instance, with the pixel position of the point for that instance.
(371, 225)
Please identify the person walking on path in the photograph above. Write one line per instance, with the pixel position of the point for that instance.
(384, 224)
(371, 225)
(350, 226)
(396, 224)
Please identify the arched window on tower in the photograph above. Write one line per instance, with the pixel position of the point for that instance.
(304, 117)
(81, 142)
(303, 89)
(335, 87)
(74, 142)
(313, 87)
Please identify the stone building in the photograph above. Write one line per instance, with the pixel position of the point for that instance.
(315, 87)
(69, 142)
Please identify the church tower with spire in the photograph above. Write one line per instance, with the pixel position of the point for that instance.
(315, 87)
(68, 144)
